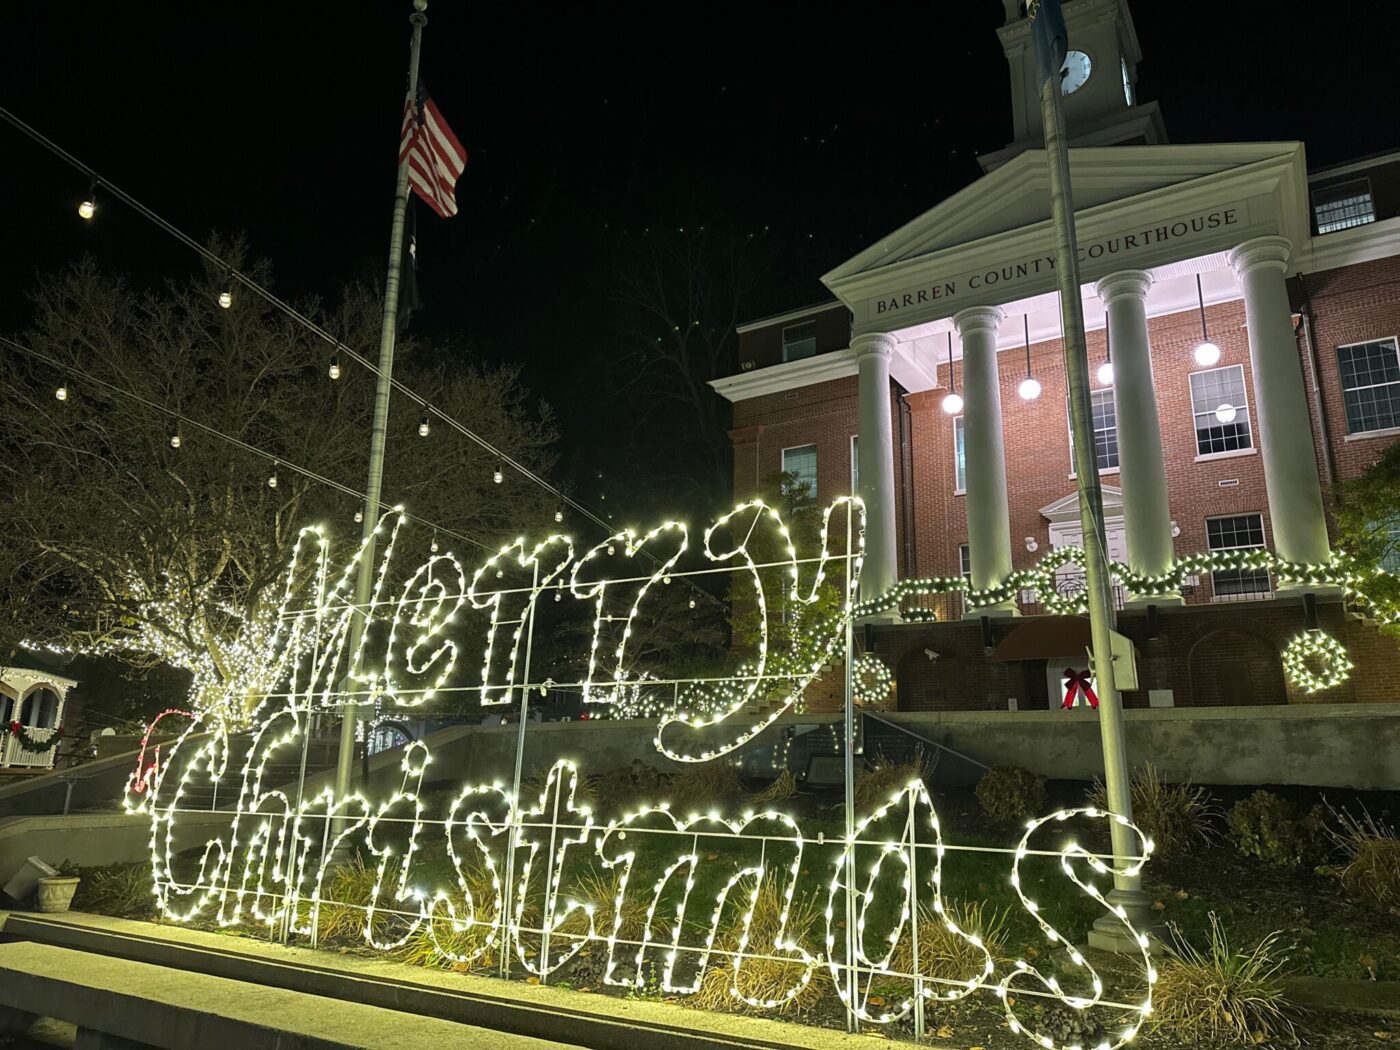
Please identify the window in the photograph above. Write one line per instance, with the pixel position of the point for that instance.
(1371, 385)
(1237, 532)
(802, 461)
(855, 464)
(799, 341)
(1343, 206)
(1221, 409)
(1105, 430)
(965, 562)
(959, 456)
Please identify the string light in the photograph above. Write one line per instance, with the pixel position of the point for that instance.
(424, 426)
(498, 475)
(952, 403)
(226, 298)
(1030, 386)
(61, 393)
(1206, 352)
(272, 478)
(334, 370)
(175, 441)
(558, 514)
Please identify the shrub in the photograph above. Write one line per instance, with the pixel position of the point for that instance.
(1173, 816)
(344, 896)
(766, 979)
(1372, 852)
(1010, 794)
(705, 785)
(945, 956)
(1268, 827)
(875, 784)
(630, 786)
(1222, 995)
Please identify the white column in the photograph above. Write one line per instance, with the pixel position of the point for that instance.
(1141, 466)
(1281, 403)
(988, 513)
(876, 453)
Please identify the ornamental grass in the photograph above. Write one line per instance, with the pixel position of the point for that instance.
(1372, 854)
(704, 786)
(948, 956)
(783, 979)
(1224, 996)
(883, 778)
(1174, 816)
(121, 890)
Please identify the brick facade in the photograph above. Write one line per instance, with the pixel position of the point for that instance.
(1206, 654)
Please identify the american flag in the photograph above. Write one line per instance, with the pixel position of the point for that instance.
(435, 158)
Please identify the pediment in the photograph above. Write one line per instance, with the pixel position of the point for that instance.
(1017, 195)
(1066, 509)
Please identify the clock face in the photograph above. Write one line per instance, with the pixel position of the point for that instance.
(1075, 72)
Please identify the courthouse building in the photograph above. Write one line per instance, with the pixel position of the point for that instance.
(1250, 311)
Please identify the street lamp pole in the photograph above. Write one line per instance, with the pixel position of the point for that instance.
(1108, 933)
(379, 432)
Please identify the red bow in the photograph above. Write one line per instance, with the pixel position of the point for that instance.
(1075, 681)
(15, 727)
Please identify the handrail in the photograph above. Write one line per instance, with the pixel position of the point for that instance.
(923, 739)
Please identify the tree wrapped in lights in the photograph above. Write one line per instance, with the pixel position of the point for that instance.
(122, 545)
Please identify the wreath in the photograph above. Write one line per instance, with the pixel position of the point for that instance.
(1316, 649)
(871, 681)
(21, 733)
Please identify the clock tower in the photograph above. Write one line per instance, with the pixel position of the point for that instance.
(1099, 81)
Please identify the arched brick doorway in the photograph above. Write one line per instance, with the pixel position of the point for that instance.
(1234, 668)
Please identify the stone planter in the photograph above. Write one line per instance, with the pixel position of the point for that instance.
(56, 892)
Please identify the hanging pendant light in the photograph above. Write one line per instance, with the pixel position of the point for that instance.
(88, 208)
(952, 404)
(61, 393)
(334, 370)
(498, 475)
(1206, 353)
(1030, 386)
(1105, 372)
(425, 426)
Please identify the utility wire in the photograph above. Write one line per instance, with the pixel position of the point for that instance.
(278, 303)
(239, 443)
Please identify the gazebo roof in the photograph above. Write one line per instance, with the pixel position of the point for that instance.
(36, 665)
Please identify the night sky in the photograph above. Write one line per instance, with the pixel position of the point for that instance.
(818, 129)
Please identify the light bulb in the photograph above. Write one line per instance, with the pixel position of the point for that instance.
(334, 371)
(174, 440)
(62, 392)
(952, 404)
(1029, 389)
(692, 603)
(498, 476)
(87, 209)
(424, 427)
(359, 515)
(1105, 373)
(1207, 353)
(225, 299)
(272, 480)
(558, 515)
(1226, 413)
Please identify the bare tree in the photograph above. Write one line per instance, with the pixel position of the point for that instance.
(116, 541)
(680, 301)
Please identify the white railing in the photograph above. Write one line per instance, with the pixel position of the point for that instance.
(16, 754)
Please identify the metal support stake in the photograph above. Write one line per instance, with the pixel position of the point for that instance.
(513, 836)
(910, 830)
(852, 1025)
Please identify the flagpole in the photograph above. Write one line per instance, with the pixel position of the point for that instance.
(1108, 933)
(380, 430)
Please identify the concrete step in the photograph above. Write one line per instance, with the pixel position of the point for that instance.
(595, 1021)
